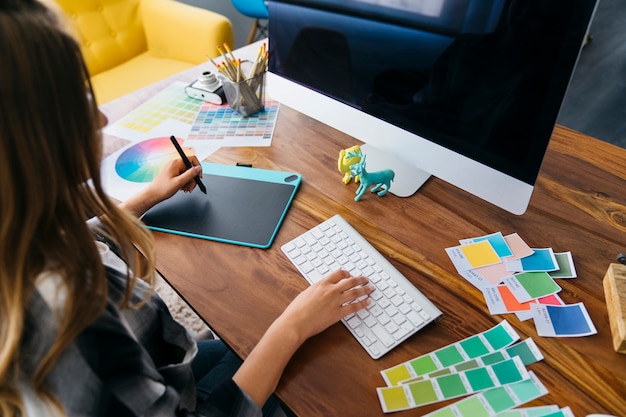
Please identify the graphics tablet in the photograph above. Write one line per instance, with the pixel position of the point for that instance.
(244, 206)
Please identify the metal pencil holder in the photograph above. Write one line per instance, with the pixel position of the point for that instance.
(246, 97)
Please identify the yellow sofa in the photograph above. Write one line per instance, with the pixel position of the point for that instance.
(128, 44)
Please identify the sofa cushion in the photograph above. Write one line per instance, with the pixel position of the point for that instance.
(110, 32)
(140, 71)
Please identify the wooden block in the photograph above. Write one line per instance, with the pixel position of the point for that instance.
(615, 292)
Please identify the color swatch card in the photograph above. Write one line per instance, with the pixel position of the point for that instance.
(566, 267)
(496, 338)
(497, 241)
(528, 286)
(495, 400)
(562, 321)
(486, 276)
(441, 388)
(224, 125)
(541, 260)
(473, 255)
(517, 282)
(553, 300)
(526, 350)
(500, 300)
(518, 246)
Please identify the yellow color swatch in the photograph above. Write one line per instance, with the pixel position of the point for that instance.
(480, 254)
(393, 398)
(396, 374)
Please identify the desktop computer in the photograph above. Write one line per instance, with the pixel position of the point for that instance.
(465, 90)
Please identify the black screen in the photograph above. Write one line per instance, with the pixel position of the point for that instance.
(485, 78)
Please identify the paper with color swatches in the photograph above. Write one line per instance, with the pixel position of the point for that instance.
(496, 338)
(432, 390)
(562, 321)
(526, 350)
(515, 278)
(496, 367)
(495, 400)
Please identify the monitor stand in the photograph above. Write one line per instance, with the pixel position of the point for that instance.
(408, 178)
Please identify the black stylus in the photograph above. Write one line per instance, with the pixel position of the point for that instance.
(187, 163)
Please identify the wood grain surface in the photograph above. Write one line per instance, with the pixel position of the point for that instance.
(579, 205)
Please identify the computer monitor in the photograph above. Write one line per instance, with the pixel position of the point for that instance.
(465, 90)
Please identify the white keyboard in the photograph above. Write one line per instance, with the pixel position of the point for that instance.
(399, 309)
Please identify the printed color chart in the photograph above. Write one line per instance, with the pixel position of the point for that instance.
(495, 400)
(496, 338)
(526, 350)
(197, 120)
(221, 122)
(169, 103)
(432, 390)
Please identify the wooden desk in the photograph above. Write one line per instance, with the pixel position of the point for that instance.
(579, 205)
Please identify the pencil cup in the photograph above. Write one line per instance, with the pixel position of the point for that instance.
(246, 97)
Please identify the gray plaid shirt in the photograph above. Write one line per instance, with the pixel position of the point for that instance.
(133, 362)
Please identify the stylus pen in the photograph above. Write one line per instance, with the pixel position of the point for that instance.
(187, 163)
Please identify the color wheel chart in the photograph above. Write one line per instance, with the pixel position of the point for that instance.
(129, 170)
(142, 161)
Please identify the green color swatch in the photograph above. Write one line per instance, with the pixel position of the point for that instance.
(499, 399)
(424, 392)
(537, 284)
(423, 365)
(500, 336)
(451, 386)
(506, 372)
(526, 350)
(479, 379)
(474, 347)
(449, 356)
(473, 407)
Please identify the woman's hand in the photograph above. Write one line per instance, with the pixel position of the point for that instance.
(325, 303)
(173, 177)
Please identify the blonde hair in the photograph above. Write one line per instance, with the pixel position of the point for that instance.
(50, 150)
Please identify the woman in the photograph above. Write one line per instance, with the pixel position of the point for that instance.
(78, 337)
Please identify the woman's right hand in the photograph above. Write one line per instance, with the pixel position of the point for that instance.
(173, 177)
(325, 303)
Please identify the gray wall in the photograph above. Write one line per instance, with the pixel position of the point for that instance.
(241, 23)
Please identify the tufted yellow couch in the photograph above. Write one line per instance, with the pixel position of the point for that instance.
(129, 44)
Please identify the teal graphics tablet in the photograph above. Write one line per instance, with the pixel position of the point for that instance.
(244, 206)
